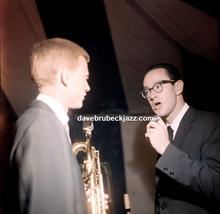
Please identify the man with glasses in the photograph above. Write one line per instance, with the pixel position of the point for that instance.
(188, 143)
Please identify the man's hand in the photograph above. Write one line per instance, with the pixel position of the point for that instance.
(158, 135)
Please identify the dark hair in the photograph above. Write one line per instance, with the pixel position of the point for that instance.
(171, 70)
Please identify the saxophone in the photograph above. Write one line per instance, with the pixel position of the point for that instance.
(91, 171)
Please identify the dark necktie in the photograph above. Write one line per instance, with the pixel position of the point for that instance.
(170, 133)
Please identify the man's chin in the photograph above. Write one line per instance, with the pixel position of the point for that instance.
(159, 113)
(80, 105)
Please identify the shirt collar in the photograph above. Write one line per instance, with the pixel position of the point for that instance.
(55, 106)
(175, 124)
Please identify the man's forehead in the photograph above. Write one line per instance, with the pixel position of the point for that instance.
(155, 76)
(157, 72)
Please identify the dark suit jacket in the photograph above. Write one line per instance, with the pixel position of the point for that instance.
(45, 177)
(189, 170)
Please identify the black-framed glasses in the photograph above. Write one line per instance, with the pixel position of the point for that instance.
(157, 87)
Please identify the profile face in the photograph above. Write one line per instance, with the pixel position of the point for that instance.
(162, 103)
(78, 86)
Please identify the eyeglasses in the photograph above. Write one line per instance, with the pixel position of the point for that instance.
(157, 87)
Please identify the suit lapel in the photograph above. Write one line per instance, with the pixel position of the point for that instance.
(184, 126)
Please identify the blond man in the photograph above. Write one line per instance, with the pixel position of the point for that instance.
(45, 176)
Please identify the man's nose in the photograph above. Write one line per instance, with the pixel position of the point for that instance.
(152, 95)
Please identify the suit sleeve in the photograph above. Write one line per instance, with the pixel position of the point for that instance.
(49, 176)
(201, 175)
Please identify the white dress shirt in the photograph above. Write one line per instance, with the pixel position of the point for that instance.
(175, 124)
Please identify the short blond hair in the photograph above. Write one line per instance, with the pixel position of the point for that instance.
(51, 55)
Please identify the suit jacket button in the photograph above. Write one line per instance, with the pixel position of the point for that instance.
(171, 173)
(163, 206)
(165, 169)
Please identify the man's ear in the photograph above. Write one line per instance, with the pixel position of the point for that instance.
(64, 76)
(179, 84)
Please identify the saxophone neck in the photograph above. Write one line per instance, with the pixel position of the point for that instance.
(87, 128)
